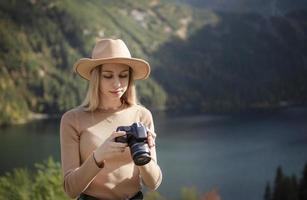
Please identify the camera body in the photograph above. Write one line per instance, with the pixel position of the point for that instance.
(136, 138)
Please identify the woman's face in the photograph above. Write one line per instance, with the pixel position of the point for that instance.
(114, 80)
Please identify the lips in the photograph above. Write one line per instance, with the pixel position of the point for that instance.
(116, 91)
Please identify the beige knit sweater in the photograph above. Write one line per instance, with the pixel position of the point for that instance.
(81, 133)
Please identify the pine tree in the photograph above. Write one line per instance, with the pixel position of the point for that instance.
(278, 193)
(290, 188)
(267, 192)
(287, 187)
(294, 188)
(303, 185)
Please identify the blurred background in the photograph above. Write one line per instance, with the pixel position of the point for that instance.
(228, 91)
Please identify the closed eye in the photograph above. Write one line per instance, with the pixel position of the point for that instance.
(123, 75)
(107, 76)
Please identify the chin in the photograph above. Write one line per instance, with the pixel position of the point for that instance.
(116, 97)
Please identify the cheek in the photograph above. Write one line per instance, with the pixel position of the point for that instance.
(125, 82)
(103, 85)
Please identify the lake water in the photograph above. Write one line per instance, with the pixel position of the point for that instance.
(236, 154)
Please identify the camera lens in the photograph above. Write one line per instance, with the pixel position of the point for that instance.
(140, 153)
(142, 159)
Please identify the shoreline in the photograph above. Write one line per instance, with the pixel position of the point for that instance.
(44, 116)
(41, 116)
(30, 118)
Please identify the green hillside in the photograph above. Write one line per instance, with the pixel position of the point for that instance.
(265, 7)
(245, 61)
(202, 60)
(41, 39)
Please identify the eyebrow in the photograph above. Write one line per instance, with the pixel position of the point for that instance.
(126, 70)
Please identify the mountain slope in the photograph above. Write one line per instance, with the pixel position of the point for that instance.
(201, 59)
(244, 61)
(264, 7)
(41, 39)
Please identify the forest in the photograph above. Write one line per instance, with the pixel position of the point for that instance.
(287, 187)
(202, 60)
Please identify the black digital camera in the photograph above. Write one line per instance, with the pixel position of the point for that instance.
(136, 138)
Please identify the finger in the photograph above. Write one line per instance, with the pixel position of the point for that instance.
(153, 134)
(113, 147)
(152, 145)
(118, 145)
(117, 134)
(151, 142)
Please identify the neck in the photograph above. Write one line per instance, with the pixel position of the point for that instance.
(110, 104)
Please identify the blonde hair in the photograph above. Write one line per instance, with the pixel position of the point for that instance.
(93, 99)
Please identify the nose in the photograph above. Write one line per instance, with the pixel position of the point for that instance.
(116, 82)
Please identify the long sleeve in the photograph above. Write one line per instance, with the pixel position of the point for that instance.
(151, 173)
(76, 176)
(81, 133)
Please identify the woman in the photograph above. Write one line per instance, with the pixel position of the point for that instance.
(94, 165)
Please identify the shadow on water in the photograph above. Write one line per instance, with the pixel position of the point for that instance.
(225, 151)
(23, 145)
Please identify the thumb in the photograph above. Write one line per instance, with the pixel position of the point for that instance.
(116, 134)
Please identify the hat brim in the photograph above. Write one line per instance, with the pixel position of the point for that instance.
(84, 66)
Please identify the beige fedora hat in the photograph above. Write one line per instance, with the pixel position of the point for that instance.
(111, 51)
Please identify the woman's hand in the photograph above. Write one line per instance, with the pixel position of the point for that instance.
(151, 138)
(110, 148)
